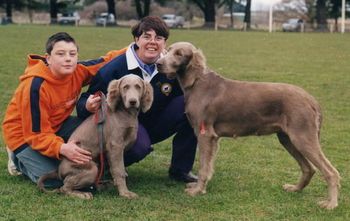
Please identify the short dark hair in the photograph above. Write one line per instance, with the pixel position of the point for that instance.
(151, 22)
(60, 36)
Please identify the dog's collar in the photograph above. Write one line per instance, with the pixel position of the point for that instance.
(202, 128)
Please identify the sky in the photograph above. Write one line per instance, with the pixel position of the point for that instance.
(262, 4)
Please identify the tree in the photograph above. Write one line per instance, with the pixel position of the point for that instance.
(321, 15)
(111, 9)
(247, 15)
(208, 9)
(9, 11)
(233, 6)
(53, 11)
(142, 11)
(32, 5)
(57, 6)
(9, 5)
(230, 6)
(335, 11)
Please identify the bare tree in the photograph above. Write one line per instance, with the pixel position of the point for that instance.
(335, 11)
(9, 11)
(230, 5)
(53, 11)
(208, 9)
(9, 5)
(321, 15)
(247, 16)
(111, 9)
(142, 8)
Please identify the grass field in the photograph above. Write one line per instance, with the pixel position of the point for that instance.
(250, 171)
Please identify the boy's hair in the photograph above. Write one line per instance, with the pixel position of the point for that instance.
(151, 22)
(60, 36)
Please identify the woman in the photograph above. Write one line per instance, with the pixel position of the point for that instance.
(166, 116)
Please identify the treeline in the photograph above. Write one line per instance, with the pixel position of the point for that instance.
(318, 11)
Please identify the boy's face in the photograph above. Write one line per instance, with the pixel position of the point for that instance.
(63, 58)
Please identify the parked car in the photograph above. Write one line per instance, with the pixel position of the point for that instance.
(105, 19)
(293, 24)
(67, 18)
(173, 21)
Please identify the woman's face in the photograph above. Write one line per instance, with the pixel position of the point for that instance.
(150, 46)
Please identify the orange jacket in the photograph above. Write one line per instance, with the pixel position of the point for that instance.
(42, 102)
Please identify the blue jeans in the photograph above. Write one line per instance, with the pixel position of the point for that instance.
(33, 164)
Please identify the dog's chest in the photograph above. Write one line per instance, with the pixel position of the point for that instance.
(129, 133)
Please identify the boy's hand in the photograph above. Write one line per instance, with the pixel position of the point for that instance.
(74, 153)
(93, 103)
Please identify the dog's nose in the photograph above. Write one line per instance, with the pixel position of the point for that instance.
(132, 102)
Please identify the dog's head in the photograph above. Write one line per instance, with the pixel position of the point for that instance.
(130, 91)
(179, 58)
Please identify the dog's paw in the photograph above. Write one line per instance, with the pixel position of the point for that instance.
(81, 195)
(129, 195)
(191, 185)
(328, 204)
(291, 188)
(87, 196)
(195, 190)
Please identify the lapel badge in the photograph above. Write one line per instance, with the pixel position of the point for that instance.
(166, 89)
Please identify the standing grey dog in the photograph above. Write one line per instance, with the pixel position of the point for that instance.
(219, 107)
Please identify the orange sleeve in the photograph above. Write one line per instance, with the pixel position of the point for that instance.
(115, 53)
(37, 129)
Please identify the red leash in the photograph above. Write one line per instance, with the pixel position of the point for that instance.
(100, 117)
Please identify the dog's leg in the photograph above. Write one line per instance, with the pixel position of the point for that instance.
(309, 146)
(307, 169)
(117, 169)
(208, 146)
(78, 181)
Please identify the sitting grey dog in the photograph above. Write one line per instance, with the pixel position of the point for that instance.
(119, 133)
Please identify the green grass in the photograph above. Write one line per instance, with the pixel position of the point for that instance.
(249, 171)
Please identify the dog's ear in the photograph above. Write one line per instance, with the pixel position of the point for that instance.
(113, 94)
(147, 96)
(198, 58)
(185, 54)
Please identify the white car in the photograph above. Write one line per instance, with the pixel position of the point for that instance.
(173, 21)
(71, 18)
(293, 24)
(105, 19)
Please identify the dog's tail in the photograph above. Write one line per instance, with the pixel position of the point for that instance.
(51, 175)
(320, 119)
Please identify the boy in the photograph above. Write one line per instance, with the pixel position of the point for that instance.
(37, 122)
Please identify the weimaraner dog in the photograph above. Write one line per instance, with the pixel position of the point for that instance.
(125, 98)
(219, 107)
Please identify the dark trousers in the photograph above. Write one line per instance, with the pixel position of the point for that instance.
(171, 121)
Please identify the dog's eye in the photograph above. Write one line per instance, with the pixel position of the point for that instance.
(178, 53)
(138, 87)
(126, 87)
